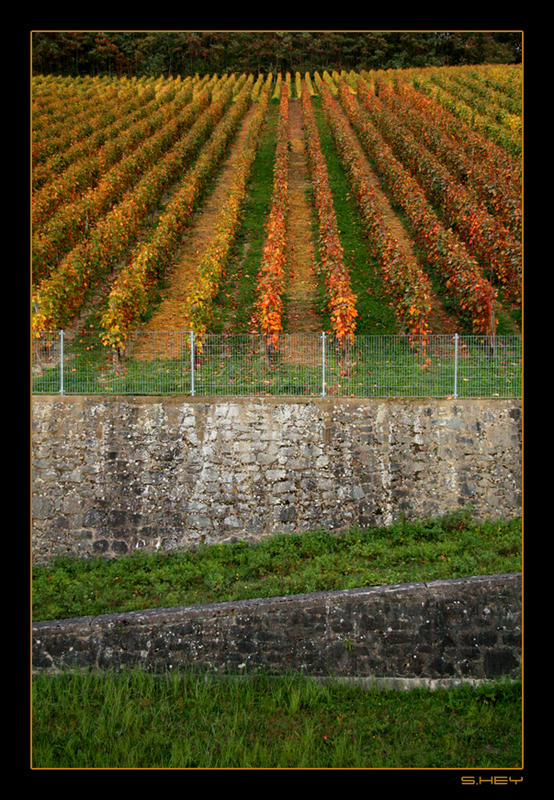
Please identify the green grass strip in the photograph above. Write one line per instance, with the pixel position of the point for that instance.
(176, 720)
(451, 546)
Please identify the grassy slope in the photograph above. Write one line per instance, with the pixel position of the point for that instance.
(448, 547)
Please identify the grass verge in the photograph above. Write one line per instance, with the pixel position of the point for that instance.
(138, 720)
(450, 546)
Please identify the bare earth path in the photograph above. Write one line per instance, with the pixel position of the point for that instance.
(171, 314)
(302, 289)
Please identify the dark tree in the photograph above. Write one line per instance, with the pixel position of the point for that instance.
(187, 52)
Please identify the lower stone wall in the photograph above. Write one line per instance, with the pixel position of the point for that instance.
(116, 474)
(464, 629)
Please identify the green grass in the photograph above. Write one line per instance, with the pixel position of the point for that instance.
(138, 720)
(447, 547)
(180, 720)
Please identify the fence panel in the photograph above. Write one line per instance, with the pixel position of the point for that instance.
(177, 362)
(47, 358)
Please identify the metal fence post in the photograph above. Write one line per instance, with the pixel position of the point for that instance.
(192, 362)
(455, 365)
(61, 362)
(323, 363)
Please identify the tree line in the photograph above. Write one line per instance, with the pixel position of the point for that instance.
(186, 52)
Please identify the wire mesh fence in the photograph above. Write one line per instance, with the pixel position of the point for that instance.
(180, 362)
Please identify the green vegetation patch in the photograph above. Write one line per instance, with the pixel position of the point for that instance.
(450, 546)
(176, 720)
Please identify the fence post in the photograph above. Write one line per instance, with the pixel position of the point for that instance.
(61, 362)
(192, 362)
(455, 366)
(323, 363)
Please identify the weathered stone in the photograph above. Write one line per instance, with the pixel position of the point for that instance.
(407, 631)
(287, 514)
(127, 469)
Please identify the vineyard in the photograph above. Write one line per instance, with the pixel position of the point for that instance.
(274, 206)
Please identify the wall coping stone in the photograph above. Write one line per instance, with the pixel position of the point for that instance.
(276, 400)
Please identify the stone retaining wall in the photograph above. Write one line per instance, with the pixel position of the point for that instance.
(115, 474)
(464, 629)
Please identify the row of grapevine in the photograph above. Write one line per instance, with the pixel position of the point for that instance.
(496, 183)
(61, 296)
(272, 275)
(87, 161)
(129, 294)
(489, 106)
(102, 119)
(116, 114)
(213, 259)
(504, 83)
(341, 298)
(51, 134)
(406, 282)
(72, 221)
(490, 242)
(476, 144)
(496, 96)
(460, 272)
(54, 96)
(507, 133)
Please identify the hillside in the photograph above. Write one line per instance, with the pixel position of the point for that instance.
(355, 202)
